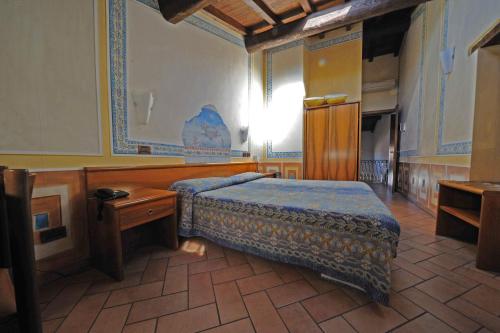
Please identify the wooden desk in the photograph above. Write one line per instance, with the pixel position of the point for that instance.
(146, 215)
(471, 211)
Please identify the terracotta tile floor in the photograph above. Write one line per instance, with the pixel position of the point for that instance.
(204, 287)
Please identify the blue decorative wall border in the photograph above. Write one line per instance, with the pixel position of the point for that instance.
(270, 154)
(420, 11)
(334, 41)
(117, 37)
(452, 148)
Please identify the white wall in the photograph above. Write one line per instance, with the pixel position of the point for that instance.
(48, 89)
(381, 138)
(186, 67)
(375, 145)
(382, 68)
(367, 144)
(282, 123)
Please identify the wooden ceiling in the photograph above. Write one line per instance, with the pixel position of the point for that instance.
(268, 23)
(256, 16)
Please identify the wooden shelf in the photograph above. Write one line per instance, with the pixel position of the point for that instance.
(467, 215)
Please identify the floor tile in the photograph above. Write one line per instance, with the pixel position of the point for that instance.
(477, 276)
(374, 318)
(402, 279)
(486, 298)
(414, 255)
(258, 264)
(111, 319)
(186, 258)
(258, 282)
(297, 319)
(50, 326)
(240, 326)
(64, 302)
(232, 273)
(263, 314)
(84, 313)
(176, 279)
(441, 311)
(155, 271)
(414, 269)
(214, 251)
(425, 323)
(200, 290)
(404, 306)
(157, 307)
(449, 275)
(193, 320)
(287, 273)
(337, 325)
(50, 290)
(147, 326)
(235, 258)
(441, 289)
(329, 305)
(137, 264)
(357, 295)
(207, 266)
(110, 284)
(229, 302)
(291, 293)
(426, 239)
(448, 261)
(321, 285)
(133, 294)
(476, 313)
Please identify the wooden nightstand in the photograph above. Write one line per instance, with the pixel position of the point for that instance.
(145, 216)
(271, 174)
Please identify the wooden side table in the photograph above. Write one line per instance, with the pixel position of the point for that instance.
(470, 211)
(146, 215)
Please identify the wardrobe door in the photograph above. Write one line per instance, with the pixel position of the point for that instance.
(316, 144)
(343, 142)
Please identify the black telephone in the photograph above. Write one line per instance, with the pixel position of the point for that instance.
(106, 194)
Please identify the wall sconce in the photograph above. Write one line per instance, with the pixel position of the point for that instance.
(244, 134)
(143, 104)
(402, 127)
(447, 57)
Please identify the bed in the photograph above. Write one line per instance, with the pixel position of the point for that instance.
(339, 229)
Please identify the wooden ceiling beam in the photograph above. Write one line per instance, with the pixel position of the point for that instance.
(328, 19)
(263, 11)
(219, 15)
(306, 6)
(286, 17)
(174, 11)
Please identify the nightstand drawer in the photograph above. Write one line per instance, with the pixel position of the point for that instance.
(146, 212)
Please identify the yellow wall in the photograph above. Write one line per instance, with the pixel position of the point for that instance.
(66, 161)
(335, 69)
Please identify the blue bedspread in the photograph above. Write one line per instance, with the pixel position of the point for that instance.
(340, 229)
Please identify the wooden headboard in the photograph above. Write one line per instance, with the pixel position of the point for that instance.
(160, 176)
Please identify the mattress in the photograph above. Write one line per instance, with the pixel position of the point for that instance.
(339, 229)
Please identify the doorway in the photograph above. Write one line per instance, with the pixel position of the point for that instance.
(379, 140)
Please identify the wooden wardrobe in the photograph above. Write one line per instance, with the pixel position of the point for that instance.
(332, 142)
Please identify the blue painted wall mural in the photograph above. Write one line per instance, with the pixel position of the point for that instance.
(206, 138)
